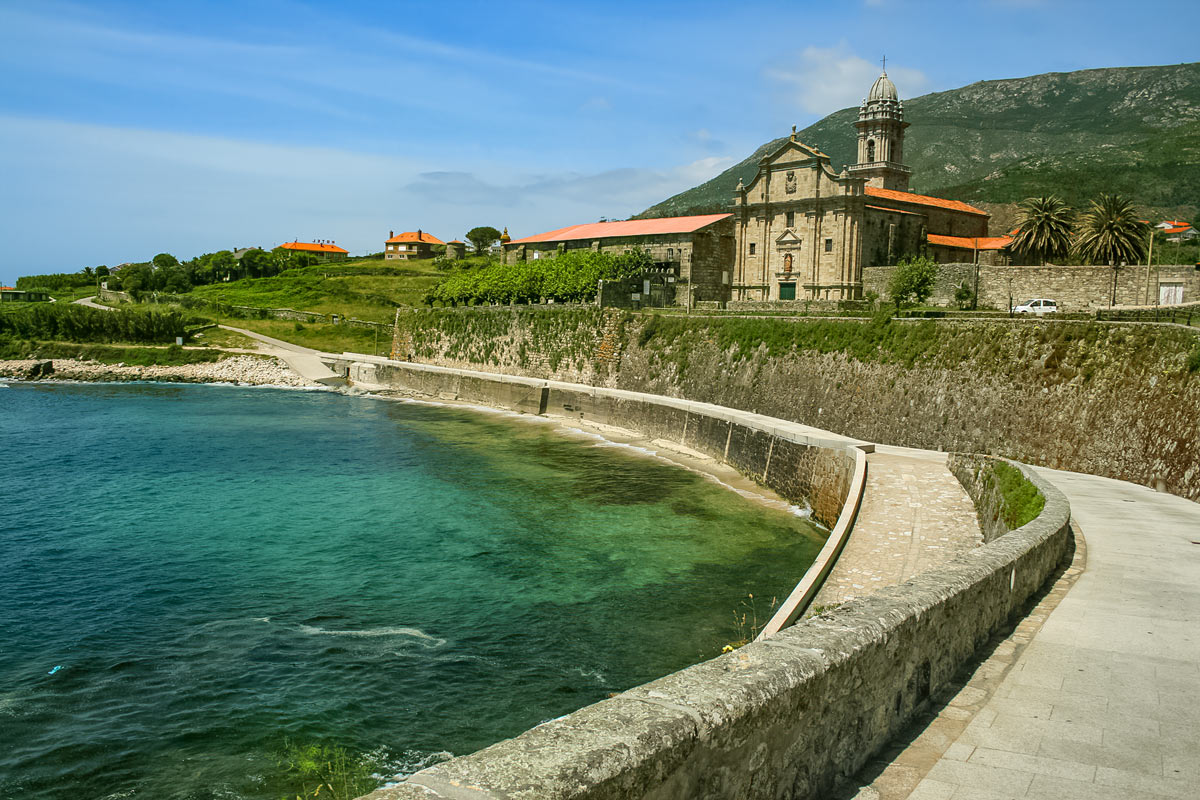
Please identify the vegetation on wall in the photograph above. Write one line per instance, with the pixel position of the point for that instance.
(1020, 501)
(572, 277)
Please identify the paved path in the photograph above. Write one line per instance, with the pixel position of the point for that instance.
(1096, 695)
(304, 361)
(915, 515)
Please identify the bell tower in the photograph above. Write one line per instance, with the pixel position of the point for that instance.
(881, 138)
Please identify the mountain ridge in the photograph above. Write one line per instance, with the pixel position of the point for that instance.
(1133, 130)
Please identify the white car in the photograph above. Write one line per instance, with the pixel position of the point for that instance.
(1038, 306)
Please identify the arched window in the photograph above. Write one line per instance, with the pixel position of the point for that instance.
(870, 150)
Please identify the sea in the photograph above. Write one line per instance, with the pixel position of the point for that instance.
(199, 581)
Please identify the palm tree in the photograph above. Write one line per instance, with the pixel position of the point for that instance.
(1111, 233)
(1044, 228)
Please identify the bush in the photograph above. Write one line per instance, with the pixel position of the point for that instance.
(913, 280)
(570, 278)
(964, 298)
(73, 323)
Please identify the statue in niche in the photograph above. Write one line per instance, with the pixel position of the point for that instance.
(789, 184)
(787, 262)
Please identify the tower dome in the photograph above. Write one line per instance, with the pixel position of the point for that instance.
(883, 89)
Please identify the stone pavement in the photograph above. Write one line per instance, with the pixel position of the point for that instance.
(1095, 695)
(915, 515)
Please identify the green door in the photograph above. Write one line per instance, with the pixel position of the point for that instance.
(787, 291)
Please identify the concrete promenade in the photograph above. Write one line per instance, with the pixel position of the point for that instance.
(1095, 694)
(915, 515)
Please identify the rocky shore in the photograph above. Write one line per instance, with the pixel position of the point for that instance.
(249, 370)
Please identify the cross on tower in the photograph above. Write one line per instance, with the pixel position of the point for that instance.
(885, 63)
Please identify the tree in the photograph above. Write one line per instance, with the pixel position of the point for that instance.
(102, 271)
(482, 237)
(257, 263)
(1044, 228)
(1111, 233)
(913, 280)
(163, 260)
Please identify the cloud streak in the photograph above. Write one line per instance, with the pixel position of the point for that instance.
(822, 80)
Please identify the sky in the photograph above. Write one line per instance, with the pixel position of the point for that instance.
(133, 128)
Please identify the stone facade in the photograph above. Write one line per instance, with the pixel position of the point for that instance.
(696, 261)
(1076, 288)
(805, 232)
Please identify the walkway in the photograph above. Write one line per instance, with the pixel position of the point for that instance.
(915, 515)
(1095, 695)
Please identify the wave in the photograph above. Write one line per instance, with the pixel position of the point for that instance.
(414, 633)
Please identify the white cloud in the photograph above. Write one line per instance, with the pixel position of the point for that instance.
(822, 80)
(80, 194)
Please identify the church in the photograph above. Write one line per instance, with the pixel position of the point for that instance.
(804, 232)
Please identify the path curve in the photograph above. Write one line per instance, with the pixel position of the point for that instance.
(1100, 702)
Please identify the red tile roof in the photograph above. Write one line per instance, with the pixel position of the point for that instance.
(415, 236)
(1174, 223)
(923, 200)
(632, 227)
(7, 289)
(894, 210)
(1181, 229)
(313, 247)
(971, 242)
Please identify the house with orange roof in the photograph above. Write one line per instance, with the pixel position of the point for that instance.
(409, 245)
(805, 231)
(1180, 233)
(321, 249)
(694, 251)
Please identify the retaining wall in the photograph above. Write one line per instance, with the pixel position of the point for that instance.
(787, 717)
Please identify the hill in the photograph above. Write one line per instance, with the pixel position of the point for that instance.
(1135, 130)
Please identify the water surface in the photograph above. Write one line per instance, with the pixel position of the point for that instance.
(217, 569)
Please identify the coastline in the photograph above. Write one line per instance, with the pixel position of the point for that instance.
(273, 372)
(239, 369)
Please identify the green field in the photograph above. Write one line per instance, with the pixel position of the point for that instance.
(368, 289)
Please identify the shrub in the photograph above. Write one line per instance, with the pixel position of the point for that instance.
(913, 280)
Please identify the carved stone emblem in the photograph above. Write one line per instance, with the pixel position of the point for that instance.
(789, 185)
(787, 263)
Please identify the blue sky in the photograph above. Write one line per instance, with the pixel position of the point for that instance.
(128, 129)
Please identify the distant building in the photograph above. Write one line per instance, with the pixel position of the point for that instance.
(456, 249)
(410, 245)
(696, 250)
(8, 294)
(326, 251)
(1180, 233)
(805, 232)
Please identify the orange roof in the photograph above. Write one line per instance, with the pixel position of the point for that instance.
(455, 241)
(313, 247)
(415, 236)
(894, 210)
(1180, 229)
(631, 227)
(923, 200)
(971, 242)
(7, 289)
(1174, 223)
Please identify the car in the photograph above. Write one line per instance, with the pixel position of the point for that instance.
(1037, 306)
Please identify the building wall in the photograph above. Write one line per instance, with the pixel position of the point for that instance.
(1076, 288)
(888, 236)
(410, 251)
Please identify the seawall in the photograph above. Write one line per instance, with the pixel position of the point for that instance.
(1107, 399)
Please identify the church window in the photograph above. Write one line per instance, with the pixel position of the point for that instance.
(791, 219)
(870, 150)
(829, 245)
(670, 254)
(752, 248)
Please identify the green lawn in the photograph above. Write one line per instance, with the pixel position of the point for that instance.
(139, 355)
(369, 289)
(319, 336)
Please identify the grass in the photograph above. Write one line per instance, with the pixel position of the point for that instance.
(1021, 502)
(318, 335)
(367, 289)
(134, 355)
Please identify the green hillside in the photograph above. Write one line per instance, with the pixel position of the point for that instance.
(1135, 130)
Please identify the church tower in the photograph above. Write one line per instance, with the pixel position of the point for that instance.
(881, 138)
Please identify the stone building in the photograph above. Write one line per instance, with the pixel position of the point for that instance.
(805, 232)
(695, 251)
(326, 251)
(456, 249)
(409, 245)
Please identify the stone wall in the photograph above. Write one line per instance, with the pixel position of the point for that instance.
(1113, 400)
(798, 467)
(789, 716)
(1076, 288)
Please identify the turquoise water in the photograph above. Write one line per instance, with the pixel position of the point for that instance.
(215, 570)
